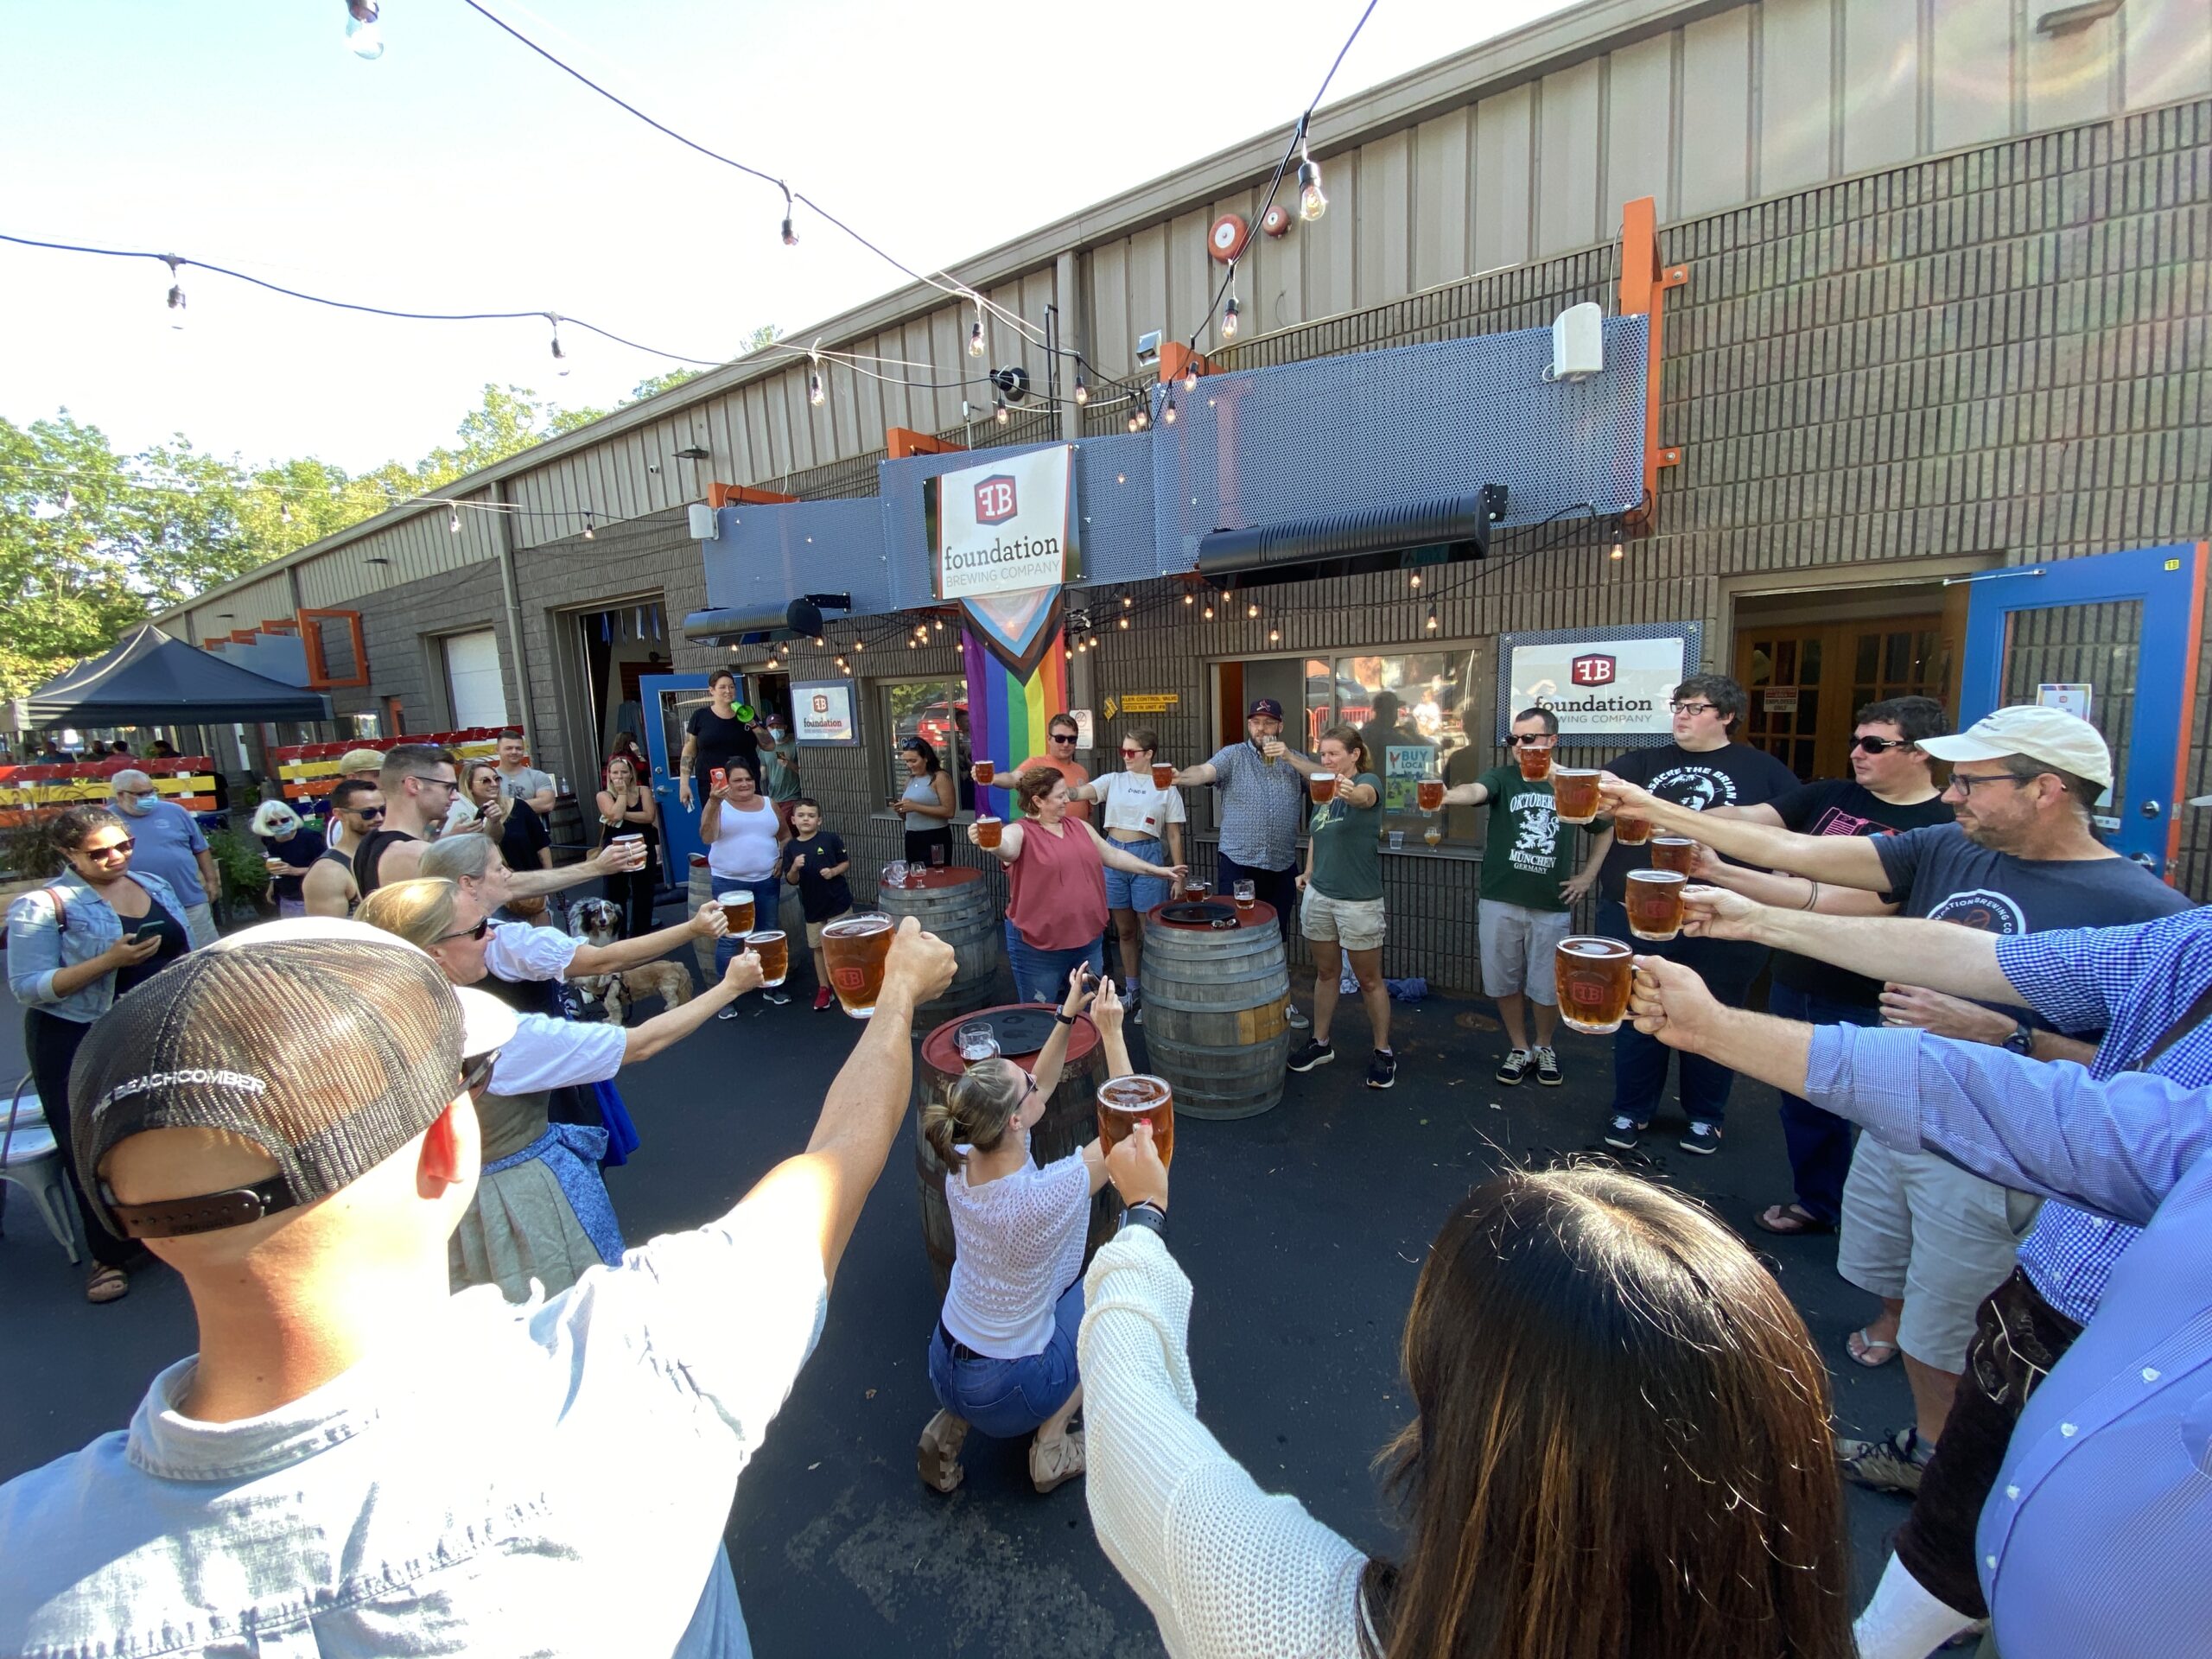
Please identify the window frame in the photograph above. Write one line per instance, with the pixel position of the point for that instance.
(956, 762)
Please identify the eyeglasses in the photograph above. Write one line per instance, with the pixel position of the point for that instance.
(476, 1072)
(1541, 740)
(483, 927)
(1696, 708)
(1880, 744)
(362, 812)
(441, 783)
(1965, 782)
(113, 849)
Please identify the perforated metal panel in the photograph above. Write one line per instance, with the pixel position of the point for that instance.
(767, 556)
(1342, 433)
(1114, 495)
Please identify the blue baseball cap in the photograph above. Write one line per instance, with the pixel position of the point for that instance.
(1266, 706)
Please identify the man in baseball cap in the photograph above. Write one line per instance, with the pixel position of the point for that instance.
(2048, 740)
(356, 1461)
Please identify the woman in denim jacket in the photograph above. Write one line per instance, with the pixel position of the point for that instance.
(73, 946)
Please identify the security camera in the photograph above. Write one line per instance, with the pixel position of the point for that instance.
(1148, 350)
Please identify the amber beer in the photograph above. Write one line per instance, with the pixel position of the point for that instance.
(1535, 764)
(983, 771)
(853, 948)
(1163, 775)
(1676, 853)
(1574, 793)
(1246, 896)
(1323, 785)
(775, 953)
(1631, 829)
(1194, 891)
(1654, 902)
(1428, 793)
(987, 831)
(1123, 1103)
(737, 911)
(1593, 977)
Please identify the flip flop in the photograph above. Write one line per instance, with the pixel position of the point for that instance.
(107, 1284)
(1791, 1221)
(1859, 1344)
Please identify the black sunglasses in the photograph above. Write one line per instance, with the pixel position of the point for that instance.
(483, 927)
(1063, 737)
(113, 849)
(1523, 740)
(1880, 744)
(363, 811)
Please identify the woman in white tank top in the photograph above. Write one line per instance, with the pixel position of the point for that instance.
(745, 838)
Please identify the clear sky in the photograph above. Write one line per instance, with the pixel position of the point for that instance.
(460, 172)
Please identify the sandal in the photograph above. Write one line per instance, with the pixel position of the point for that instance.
(1859, 1345)
(1792, 1221)
(107, 1284)
(936, 1458)
(1054, 1462)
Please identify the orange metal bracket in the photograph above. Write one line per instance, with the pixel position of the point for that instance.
(900, 442)
(740, 495)
(1176, 359)
(1644, 282)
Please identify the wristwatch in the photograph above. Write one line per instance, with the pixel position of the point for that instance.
(1146, 1215)
(1058, 1018)
(2022, 1039)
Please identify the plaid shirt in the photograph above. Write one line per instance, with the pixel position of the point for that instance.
(1262, 808)
(2131, 983)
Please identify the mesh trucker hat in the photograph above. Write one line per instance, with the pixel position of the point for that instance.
(328, 1043)
(355, 760)
(2050, 736)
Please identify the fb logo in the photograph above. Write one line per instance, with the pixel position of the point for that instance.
(1591, 671)
(821, 703)
(995, 500)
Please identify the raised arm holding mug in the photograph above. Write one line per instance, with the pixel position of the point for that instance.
(1341, 913)
(1140, 816)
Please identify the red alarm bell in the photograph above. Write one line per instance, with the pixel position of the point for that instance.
(1276, 221)
(1227, 239)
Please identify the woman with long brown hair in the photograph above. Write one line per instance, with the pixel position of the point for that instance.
(1620, 1447)
(626, 808)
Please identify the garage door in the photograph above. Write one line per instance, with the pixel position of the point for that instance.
(474, 684)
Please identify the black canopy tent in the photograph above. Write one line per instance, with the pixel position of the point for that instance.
(150, 679)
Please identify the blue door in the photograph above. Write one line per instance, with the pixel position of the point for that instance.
(669, 700)
(2121, 631)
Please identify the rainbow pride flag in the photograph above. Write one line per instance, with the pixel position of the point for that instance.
(1006, 713)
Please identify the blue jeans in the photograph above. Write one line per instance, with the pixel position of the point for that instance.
(1728, 966)
(1008, 1398)
(1137, 892)
(1042, 975)
(767, 902)
(1819, 1141)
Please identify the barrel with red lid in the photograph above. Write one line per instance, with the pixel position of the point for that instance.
(955, 902)
(1215, 981)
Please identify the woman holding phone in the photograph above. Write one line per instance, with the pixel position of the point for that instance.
(74, 945)
(926, 810)
(1003, 1358)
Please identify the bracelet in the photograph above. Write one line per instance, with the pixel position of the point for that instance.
(1148, 1216)
(1061, 1019)
(1812, 898)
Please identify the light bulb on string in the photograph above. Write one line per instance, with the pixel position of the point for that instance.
(588, 531)
(1275, 635)
(790, 236)
(1252, 612)
(1131, 421)
(176, 290)
(1415, 579)
(1430, 624)
(1124, 622)
(860, 645)
(364, 34)
(1311, 204)
(453, 519)
(815, 395)
(1167, 412)
(940, 624)
(559, 356)
(1127, 602)
(1229, 320)
(976, 345)
(1618, 552)
(1191, 377)
(1189, 599)
(817, 642)
(1000, 414)
(1207, 614)
(1082, 392)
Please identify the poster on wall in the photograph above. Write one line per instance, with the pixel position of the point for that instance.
(823, 712)
(1614, 687)
(1007, 526)
(1404, 766)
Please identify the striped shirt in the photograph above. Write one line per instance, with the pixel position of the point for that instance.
(2131, 983)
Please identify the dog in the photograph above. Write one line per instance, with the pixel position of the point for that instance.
(610, 996)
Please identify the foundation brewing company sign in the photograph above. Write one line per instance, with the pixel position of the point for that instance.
(1597, 688)
(1005, 526)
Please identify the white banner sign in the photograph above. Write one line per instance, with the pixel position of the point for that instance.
(1599, 688)
(1006, 525)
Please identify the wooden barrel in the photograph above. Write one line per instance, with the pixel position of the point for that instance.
(1071, 1118)
(1213, 1012)
(701, 890)
(953, 902)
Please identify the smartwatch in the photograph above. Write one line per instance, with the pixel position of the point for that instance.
(1148, 1216)
(1058, 1018)
(2022, 1039)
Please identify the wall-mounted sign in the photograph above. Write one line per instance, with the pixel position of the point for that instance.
(2073, 697)
(824, 712)
(1085, 733)
(1615, 687)
(1006, 526)
(1780, 702)
(1144, 702)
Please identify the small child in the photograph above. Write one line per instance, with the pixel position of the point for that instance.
(815, 861)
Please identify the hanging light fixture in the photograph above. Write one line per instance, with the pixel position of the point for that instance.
(1208, 614)
(1416, 579)
(1189, 599)
(364, 37)
(1275, 635)
(1229, 317)
(1430, 624)
(790, 236)
(587, 533)
(1122, 621)
(1000, 414)
(1618, 552)
(1311, 204)
(1252, 611)
(1081, 392)
(559, 356)
(1167, 411)
(452, 518)
(176, 290)
(975, 343)
(1190, 376)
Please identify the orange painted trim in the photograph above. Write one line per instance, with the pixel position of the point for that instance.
(2188, 725)
(243, 636)
(901, 441)
(1175, 358)
(742, 495)
(212, 645)
(318, 665)
(1644, 282)
(283, 624)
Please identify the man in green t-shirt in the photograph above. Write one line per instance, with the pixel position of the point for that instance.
(1530, 883)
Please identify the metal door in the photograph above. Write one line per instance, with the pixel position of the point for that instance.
(668, 700)
(2125, 626)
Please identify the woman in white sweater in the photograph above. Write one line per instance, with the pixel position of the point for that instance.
(1621, 1448)
(1003, 1358)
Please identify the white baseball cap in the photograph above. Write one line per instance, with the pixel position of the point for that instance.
(2050, 736)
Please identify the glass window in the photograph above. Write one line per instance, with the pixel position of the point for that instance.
(936, 712)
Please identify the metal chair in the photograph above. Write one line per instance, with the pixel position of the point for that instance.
(30, 1158)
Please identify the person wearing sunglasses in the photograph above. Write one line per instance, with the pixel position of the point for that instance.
(355, 766)
(1146, 822)
(91, 935)
(1060, 734)
(356, 813)
(541, 1213)
(1002, 1356)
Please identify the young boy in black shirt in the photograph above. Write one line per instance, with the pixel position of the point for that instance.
(815, 861)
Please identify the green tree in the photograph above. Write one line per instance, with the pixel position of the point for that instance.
(68, 568)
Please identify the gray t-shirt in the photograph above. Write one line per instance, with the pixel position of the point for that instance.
(526, 783)
(1263, 807)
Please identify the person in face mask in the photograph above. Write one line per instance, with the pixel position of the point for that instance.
(780, 769)
(168, 843)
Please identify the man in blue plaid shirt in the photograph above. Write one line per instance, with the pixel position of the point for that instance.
(2148, 989)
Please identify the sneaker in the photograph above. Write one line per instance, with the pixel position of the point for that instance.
(1623, 1131)
(1547, 1067)
(823, 999)
(1892, 1464)
(730, 1013)
(936, 1458)
(1513, 1067)
(1382, 1069)
(1294, 1018)
(1311, 1055)
(775, 999)
(1701, 1138)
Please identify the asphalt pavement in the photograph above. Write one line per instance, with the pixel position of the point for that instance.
(1303, 1231)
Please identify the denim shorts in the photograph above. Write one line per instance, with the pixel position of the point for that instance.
(1137, 892)
(1008, 1398)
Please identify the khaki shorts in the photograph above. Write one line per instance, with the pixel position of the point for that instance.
(1520, 949)
(1916, 1227)
(814, 929)
(1356, 924)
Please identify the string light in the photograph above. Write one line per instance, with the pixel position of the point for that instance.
(1252, 612)
(1415, 579)
(1431, 623)
(940, 624)
(1127, 602)
(1229, 317)
(453, 520)
(587, 533)
(1191, 377)
(1167, 413)
(1207, 614)
(364, 38)
(975, 344)
(559, 356)
(1001, 414)
(1275, 635)
(1189, 599)
(1082, 392)
(1122, 621)
(1618, 552)
(790, 236)
(1311, 204)
(176, 291)
(1133, 421)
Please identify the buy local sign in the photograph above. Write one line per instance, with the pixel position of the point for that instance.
(1007, 526)
(1595, 686)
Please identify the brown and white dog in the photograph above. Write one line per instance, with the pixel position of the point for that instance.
(609, 997)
